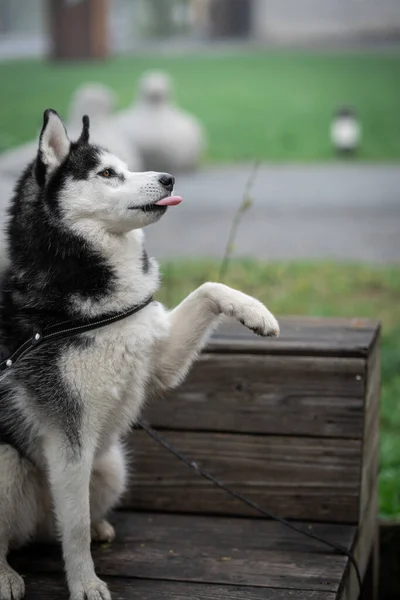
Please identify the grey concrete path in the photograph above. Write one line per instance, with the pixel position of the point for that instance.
(343, 212)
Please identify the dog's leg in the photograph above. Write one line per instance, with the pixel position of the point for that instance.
(12, 585)
(19, 515)
(192, 321)
(107, 485)
(69, 473)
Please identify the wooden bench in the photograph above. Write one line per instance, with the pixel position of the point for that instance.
(293, 424)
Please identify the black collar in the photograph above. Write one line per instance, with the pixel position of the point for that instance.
(67, 329)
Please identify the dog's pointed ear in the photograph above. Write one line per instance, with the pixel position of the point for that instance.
(84, 137)
(54, 144)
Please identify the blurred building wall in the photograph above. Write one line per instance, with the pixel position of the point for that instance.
(292, 20)
(22, 29)
(272, 20)
(22, 17)
(122, 24)
(24, 26)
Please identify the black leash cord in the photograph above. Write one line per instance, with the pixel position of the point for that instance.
(66, 329)
(193, 465)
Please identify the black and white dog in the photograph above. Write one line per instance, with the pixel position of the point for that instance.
(76, 253)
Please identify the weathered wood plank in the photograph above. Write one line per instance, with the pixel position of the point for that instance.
(302, 478)
(49, 587)
(301, 336)
(368, 534)
(364, 543)
(267, 394)
(210, 550)
(370, 463)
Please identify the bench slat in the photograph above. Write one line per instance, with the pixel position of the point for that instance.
(301, 336)
(281, 395)
(41, 587)
(217, 551)
(302, 478)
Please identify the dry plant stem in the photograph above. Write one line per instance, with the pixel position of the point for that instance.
(168, 274)
(244, 205)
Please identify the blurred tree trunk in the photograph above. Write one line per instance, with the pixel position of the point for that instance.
(230, 18)
(79, 29)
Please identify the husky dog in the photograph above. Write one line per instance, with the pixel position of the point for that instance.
(76, 252)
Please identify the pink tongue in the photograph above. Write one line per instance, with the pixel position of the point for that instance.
(170, 201)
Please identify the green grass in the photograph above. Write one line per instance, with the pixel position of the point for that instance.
(260, 105)
(323, 289)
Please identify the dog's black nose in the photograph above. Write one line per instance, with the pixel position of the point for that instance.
(167, 181)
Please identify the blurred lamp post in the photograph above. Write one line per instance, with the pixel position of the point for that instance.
(79, 29)
(345, 130)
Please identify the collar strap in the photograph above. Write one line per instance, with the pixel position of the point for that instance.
(66, 329)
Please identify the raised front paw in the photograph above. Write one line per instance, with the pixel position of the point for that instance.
(90, 590)
(12, 585)
(246, 309)
(256, 317)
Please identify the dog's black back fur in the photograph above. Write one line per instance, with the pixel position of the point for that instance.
(49, 264)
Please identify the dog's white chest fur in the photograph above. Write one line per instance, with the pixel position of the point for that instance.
(111, 374)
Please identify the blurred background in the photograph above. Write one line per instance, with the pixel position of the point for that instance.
(281, 122)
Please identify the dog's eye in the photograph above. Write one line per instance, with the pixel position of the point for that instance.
(107, 173)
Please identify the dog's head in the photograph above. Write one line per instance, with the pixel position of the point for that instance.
(85, 183)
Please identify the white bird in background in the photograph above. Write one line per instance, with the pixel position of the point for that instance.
(168, 138)
(345, 130)
(93, 99)
(99, 102)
